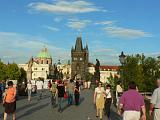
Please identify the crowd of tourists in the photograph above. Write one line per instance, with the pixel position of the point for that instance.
(130, 103)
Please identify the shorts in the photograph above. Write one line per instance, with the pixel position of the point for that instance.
(10, 107)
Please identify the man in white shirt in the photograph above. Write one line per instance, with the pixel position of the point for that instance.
(119, 92)
(29, 89)
(155, 103)
(39, 85)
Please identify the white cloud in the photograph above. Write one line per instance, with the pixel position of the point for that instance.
(126, 33)
(20, 47)
(54, 29)
(107, 22)
(153, 54)
(78, 24)
(65, 7)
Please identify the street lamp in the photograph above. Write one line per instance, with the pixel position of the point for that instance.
(122, 61)
(122, 58)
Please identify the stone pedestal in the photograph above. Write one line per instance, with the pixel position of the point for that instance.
(29, 75)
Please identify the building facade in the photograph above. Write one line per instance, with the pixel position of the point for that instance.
(38, 67)
(79, 60)
(105, 72)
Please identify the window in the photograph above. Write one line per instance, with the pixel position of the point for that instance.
(47, 62)
(80, 59)
(35, 68)
(74, 58)
(42, 68)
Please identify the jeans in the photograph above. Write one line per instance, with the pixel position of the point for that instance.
(70, 99)
(60, 100)
(29, 94)
(77, 95)
(53, 99)
(39, 93)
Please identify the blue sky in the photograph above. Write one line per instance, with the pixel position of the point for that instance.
(108, 26)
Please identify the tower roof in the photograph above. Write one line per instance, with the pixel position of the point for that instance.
(78, 46)
(44, 53)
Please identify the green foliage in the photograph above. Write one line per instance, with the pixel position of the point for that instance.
(89, 76)
(13, 72)
(143, 70)
(23, 76)
(2, 71)
(112, 80)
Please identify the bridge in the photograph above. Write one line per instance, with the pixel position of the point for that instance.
(42, 110)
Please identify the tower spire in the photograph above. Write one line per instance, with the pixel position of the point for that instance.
(78, 46)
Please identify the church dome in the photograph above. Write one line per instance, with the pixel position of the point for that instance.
(44, 53)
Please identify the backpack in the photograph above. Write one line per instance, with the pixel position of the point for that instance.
(53, 88)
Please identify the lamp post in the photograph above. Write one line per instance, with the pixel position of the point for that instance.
(122, 61)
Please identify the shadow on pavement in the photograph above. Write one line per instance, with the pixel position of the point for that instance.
(26, 106)
(115, 116)
(67, 106)
(31, 111)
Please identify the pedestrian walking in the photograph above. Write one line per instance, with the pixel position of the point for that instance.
(132, 103)
(9, 101)
(53, 93)
(108, 100)
(89, 84)
(2, 89)
(77, 93)
(99, 100)
(29, 90)
(155, 103)
(119, 92)
(39, 86)
(70, 91)
(49, 85)
(60, 92)
(0, 93)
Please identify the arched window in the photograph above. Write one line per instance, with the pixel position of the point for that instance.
(41, 61)
(47, 62)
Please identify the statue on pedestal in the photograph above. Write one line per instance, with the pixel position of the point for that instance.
(97, 72)
(29, 71)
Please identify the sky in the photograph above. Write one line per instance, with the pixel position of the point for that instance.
(107, 26)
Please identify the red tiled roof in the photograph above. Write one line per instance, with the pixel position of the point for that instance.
(109, 67)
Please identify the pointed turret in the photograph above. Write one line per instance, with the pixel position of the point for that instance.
(78, 46)
(87, 47)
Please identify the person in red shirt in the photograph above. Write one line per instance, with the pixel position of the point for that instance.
(9, 101)
(132, 103)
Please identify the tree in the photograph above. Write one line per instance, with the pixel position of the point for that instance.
(112, 80)
(143, 70)
(23, 76)
(13, 72)
(89, 76)
(3, 75)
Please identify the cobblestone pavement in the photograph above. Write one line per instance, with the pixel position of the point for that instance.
(42, 110)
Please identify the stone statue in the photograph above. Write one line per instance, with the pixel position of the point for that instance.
(97, 71)
(30, 64)
(29, 71)
(97, 64)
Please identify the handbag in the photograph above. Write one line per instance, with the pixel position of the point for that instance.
(65, 95)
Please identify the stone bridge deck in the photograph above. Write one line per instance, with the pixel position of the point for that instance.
(42, 110)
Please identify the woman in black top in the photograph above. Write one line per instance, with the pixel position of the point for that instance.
(60, 91)
(76, 93)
